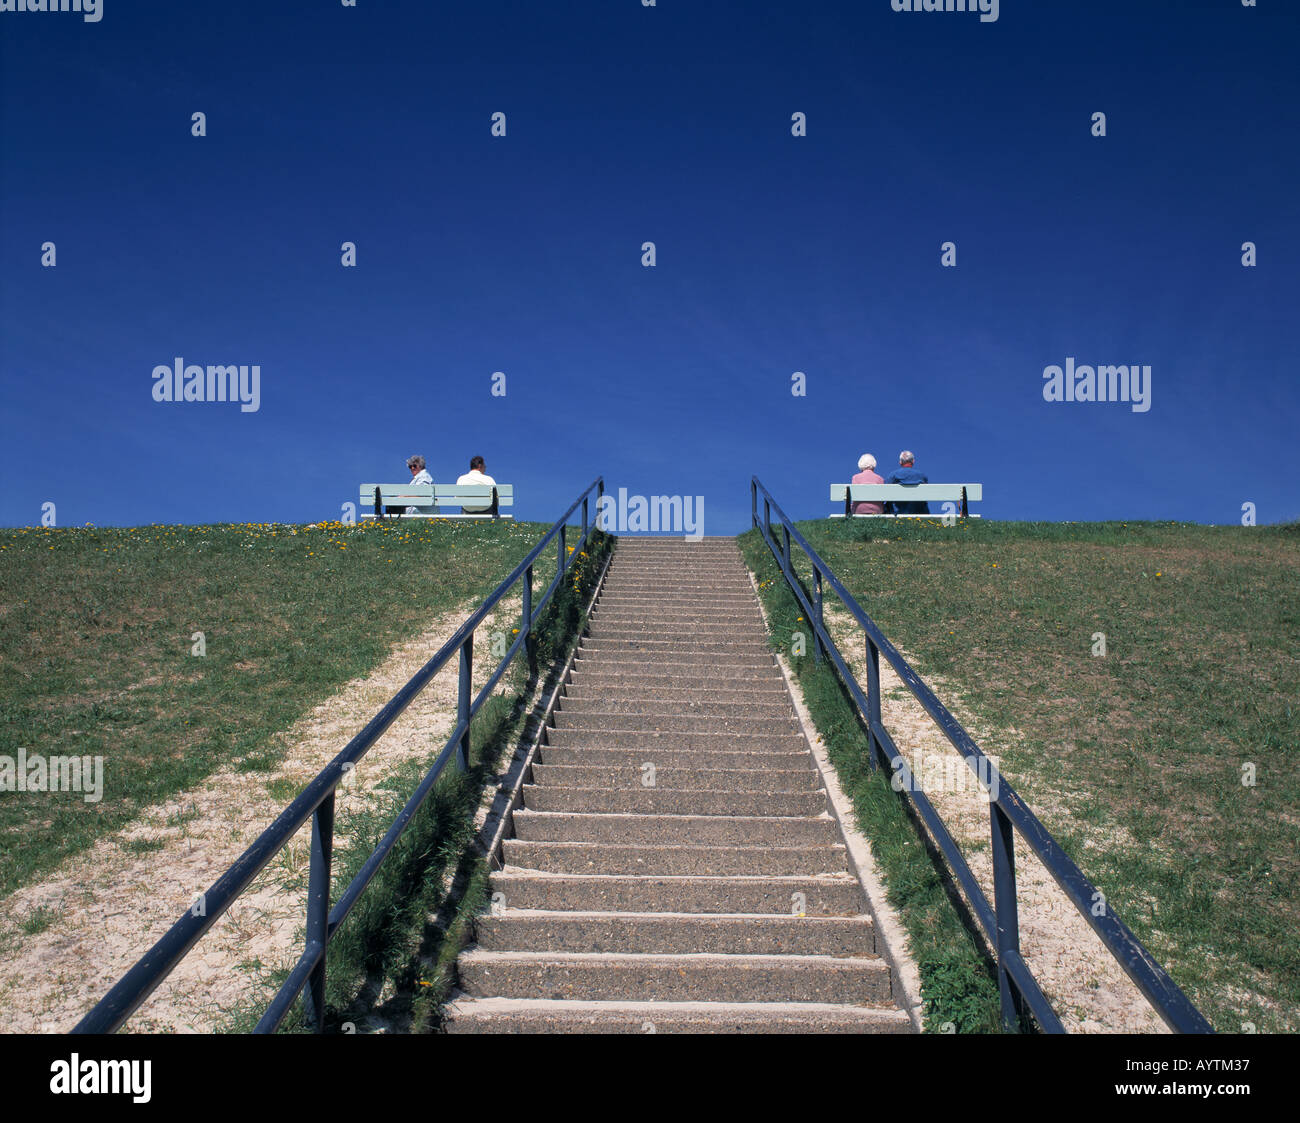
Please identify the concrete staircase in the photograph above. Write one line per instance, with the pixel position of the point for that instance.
(674, 866)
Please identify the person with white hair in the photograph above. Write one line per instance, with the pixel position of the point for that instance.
(414, 465)
(867, 475)
(906, 473)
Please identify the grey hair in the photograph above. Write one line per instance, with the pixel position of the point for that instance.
(905, 457)
(416, 462)
(866, 462)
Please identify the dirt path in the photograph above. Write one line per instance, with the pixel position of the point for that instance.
(1087, 988)
(112, 902)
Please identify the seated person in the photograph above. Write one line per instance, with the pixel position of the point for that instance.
(867, 475)
(475, 475)
(906, 473)
(418, 476)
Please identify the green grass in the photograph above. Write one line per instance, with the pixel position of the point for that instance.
(96, 632)
(388, 963)
(1136, 756)
(38, 920)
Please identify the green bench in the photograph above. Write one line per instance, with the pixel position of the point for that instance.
(430, 499)
(960, 494)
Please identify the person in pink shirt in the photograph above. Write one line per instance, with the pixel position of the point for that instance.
(867, 475)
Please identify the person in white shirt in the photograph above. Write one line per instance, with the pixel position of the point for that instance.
(475, 475)
(418, 476)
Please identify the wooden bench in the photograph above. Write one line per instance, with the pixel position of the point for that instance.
(960, 494)
(429, 499)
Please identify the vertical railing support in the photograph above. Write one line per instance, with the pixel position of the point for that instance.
(526, 616)
(1004, 905)
(818, 623)
(559, 558)
(753, 503)
(318, 906)
(875, 751)
(526, 623)
(785, 554)
(463, 695)
(767, 518)
(584, 518)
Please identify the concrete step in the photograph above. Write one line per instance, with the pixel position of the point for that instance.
(676, 723)
(722, 683)
(675, 647)
(631, 545)
(734, 664)
(829, 895)
(739, 591)
(706, 623)
(685, 861)
(759, 708)
(666, 801)
(674, 978)
(613, 757)
(669, 778)
(668, 576)
(673, 636)
(746, 606)
(673, 741)
(769, 695)
(698, 627)
(541, 1015)
(697, 830)
(711, 603)
(841, 937)
(667, 588)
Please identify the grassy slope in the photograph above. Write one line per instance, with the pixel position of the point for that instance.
(95, 648)
(388, 964)
(1140, 751)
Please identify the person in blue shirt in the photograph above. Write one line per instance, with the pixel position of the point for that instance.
(906, 473)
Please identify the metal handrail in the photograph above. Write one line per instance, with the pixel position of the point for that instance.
(317, 803)
(1008, 813)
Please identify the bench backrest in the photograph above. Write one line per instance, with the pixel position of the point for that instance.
(427, 495)
(904, 493)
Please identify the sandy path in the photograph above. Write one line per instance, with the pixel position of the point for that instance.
(1087, 988)
(113, 901)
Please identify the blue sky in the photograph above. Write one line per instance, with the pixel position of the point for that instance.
(774, 253)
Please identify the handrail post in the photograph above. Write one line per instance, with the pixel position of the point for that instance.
(526, 616)
(559, 557)
(463, 700)
(767, 518)
(874, 751)
(753, 503)
(1004, 905)
(785, 553)
(584, 518)
(819, 623)
(318, 907)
